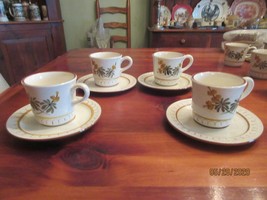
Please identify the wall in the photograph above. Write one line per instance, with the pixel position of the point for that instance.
(79, 16)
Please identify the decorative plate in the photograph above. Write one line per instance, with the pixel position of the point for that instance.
(147, 80)
(165, 15)
(248, 9)
(22, 124)
(181, 13)
(245, 127)
(211, 10)
(126, 82)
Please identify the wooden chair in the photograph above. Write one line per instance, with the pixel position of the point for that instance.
(117, 25)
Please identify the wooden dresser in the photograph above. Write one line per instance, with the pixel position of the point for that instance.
(185, 38)
(26, 46)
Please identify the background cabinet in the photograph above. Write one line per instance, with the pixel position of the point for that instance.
(185, 38)
(182, 37)
(26, 46)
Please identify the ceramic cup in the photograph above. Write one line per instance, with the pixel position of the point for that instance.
(258, 64)
(235, 53)
(107, 67)
(216, 95)
(52, 96)
(168, 67)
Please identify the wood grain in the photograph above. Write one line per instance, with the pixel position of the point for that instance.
(132, 151)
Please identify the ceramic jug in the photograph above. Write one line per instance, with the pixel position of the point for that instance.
(17, 12)
(3, 17)
(35, 12)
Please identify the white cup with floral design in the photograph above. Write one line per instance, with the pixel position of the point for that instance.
(52, 96)
(258, 64)
(107, 67)
(235, 53)
(168, 67)
(216, 96)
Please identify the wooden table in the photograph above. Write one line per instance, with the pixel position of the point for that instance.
(132, 151)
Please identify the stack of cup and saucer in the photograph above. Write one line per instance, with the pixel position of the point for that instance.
(107, 73)
(214, 115)
(54, 110)
(168, 72)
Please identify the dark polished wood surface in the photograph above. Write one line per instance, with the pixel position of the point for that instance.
(185, 38)
(132, 152)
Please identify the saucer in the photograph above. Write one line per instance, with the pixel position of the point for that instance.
(147, 80)
(126, 82)
(22, 124)
(257, 74)
(245, 127)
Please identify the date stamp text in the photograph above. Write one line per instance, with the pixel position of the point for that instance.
(229, 171)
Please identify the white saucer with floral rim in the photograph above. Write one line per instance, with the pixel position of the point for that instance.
(147, 80)
(245, 127)
(126, 82)
(22, 124)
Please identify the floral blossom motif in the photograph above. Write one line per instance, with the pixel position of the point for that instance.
(259, 63)
(234, 55)
(45, 106)
(168, 70)
(101, 71)
(218, 103)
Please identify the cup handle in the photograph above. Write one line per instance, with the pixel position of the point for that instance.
(129, 65)
(10, 12)
(191, 60)
(248, 52)
(85, 89)
(249, 87)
